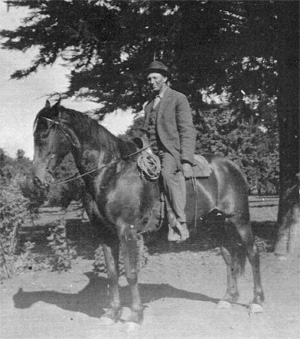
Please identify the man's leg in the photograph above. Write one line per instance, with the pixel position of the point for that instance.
(175, 190)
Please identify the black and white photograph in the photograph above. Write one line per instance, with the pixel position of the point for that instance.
(149, 169)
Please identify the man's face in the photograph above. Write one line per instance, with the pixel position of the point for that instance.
(156, 81)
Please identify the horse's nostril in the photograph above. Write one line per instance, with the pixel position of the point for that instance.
(37, 181)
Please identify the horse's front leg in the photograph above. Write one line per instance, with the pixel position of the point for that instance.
(129, 246)
(111, 254)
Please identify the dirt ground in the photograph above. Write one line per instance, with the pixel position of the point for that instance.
(180, 289)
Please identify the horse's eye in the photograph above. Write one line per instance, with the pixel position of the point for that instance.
(44, 134)
(44, 129)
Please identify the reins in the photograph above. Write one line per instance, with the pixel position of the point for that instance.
(78, 176)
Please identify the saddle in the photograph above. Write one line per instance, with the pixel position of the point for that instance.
(201, 168)
(149, 166)
(162, 208)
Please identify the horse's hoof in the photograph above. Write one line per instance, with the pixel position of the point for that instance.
(224, 304)
(281, 257)
(105, 321)
(132, 327)
(134, 317)
(255, 308)
(111, 316)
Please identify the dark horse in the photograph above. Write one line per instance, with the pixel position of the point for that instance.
(118, 200)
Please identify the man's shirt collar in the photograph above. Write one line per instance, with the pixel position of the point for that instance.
(162, 92)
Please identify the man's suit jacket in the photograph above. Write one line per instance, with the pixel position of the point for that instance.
(174, 125)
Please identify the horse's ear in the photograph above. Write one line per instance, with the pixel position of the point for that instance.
(47, 104)
(56, 109)
(57, 105)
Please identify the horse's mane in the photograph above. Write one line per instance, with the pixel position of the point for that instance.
(89, 129)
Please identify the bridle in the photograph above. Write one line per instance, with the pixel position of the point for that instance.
(53, 157)
(69, 138)
(62, 129)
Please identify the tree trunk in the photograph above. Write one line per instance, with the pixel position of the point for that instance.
(288, 118)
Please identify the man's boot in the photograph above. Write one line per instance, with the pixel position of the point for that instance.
(183, 230)
(179, 233)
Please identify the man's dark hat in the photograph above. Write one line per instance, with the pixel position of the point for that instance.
(158, 67)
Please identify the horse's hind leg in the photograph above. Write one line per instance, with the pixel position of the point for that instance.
(129, 245)
(248, 246)
(111, 254)
(234, 259)
(253, 256)
(232, 293)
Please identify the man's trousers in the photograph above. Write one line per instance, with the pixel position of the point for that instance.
(174, 185)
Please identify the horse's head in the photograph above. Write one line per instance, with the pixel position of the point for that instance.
(53, 140)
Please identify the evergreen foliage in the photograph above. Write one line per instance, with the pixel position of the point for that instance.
(251, 146)
(109, 44)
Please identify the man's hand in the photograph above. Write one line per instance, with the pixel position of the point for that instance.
(187, 170)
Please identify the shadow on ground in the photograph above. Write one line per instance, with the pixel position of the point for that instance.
(85, 301)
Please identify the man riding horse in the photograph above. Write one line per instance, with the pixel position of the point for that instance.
(169, 126)
(119, 202)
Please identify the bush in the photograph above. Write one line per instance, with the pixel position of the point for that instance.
(35, 195)
(28, 261)
(63, 253)
(13, 211)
